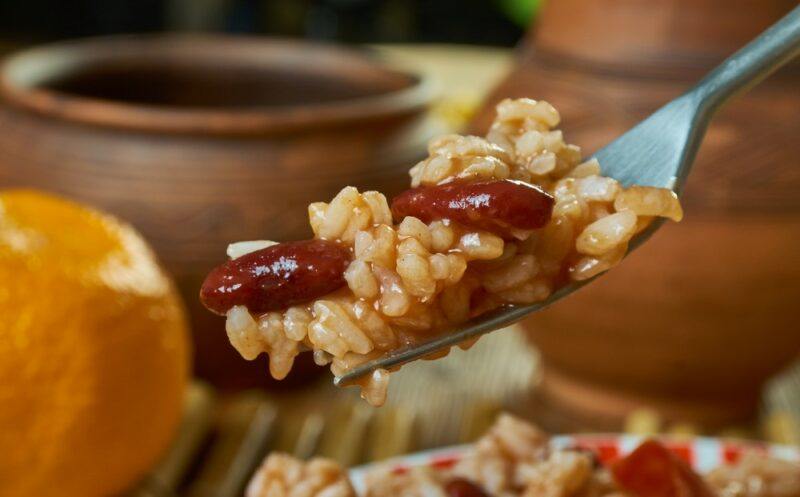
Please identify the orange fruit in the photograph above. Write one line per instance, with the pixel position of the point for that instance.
(94, 351)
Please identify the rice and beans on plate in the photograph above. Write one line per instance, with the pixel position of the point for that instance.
(489, 221)
(515, 459)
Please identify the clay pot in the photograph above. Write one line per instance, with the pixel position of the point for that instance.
(695, 321)
(199, 141)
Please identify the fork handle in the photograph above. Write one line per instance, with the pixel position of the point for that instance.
(773, 48)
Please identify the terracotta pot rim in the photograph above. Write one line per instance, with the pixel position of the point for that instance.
(21, 74)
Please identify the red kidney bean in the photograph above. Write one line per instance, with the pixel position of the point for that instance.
(276, 277)
(495, 206)
(460, 487)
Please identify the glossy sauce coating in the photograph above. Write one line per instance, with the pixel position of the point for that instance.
(460, 487)
(496, 206)
(276, 277)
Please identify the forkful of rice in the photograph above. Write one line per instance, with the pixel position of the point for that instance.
(492, 229)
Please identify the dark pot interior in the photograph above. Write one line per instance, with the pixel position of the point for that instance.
(204, 85)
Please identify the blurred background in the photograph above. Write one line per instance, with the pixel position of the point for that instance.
(474, 22)
(201, 122)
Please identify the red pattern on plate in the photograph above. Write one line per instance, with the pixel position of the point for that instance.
(445, 461)
(400, 469)
(607, 450)
(732, 451)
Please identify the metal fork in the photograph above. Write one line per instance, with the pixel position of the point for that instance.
(659, 151)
